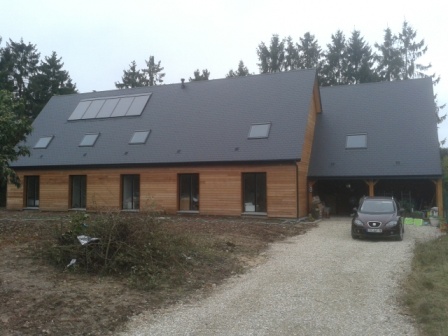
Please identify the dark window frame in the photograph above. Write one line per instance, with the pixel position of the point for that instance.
(191, 195)
(81, 199)
(260, 199)
(131, 202)
(32, 191)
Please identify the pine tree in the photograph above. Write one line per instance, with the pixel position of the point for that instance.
(389, 60)
(50, 80)
(359, 60)
(131, 78)
(198, 76)
(153, 73)
(272, 58)
(291, 61)
(23, 59)
(309, 52)
(411, 51)
(240, 72)
(334, 65)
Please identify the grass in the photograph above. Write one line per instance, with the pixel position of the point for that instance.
(426, 289)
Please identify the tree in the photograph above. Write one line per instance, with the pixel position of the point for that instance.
(240, 72)
(272, 58)
(131, 78)
(334, 67)
(198, 76)
(50, 80)
(309, 52)
(291, 60)
(23, 60)
(14, 127)
(389, 60)
(153, 74)
(359, 60)
(410, 51)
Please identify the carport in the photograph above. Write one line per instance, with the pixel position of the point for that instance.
(341, 195)
(377, 139)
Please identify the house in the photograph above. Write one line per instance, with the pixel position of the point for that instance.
(256, 145)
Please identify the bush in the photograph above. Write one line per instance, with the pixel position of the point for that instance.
(136, 246)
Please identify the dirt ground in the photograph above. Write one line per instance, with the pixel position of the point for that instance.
(37, 299)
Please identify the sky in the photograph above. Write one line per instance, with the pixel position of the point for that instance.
(98, 39)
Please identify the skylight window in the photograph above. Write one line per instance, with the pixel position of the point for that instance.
(43, 142)
(139, 137)
(122, 106)
(259, 131)
(356, 141)
(89, 140)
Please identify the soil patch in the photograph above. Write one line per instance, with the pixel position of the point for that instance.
(37, 299)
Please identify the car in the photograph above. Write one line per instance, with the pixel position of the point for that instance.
(378, 217)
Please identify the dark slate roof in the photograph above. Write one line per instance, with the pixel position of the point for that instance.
(400, 123)
(203, 122)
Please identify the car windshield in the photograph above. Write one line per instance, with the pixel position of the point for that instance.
(377, 206)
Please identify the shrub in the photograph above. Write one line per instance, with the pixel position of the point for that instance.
(136, 246)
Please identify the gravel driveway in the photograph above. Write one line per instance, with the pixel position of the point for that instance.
(321, 283)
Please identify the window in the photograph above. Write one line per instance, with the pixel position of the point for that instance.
(43, 142)
(122, 106)
(78, 185)
(356, 141)
(259, 131)
(254, 192)
(32, 191)
(139, 137)
(189, 192)
(131, 192)
(89, 140)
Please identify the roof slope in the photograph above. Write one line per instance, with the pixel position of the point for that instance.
(400, 123)
(203, 122)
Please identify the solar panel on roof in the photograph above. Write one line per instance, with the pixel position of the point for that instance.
(108, 108)
(80, 110)
(137, 106)
(93, 109)
(124, 106)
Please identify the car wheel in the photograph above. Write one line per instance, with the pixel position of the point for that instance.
(400, 236)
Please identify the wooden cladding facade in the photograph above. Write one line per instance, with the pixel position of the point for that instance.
(220, 188)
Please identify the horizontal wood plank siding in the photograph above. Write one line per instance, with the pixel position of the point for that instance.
(220, 188)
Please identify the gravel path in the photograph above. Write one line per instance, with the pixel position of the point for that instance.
(321, 283)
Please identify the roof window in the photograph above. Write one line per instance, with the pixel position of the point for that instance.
(259, 131)
(43, 142)
(354, 141)
(139, 137)
(89, 140)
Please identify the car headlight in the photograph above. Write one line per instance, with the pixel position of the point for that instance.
(391, 223)
(358, 222)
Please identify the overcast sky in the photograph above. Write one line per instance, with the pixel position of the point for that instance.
(97, 39)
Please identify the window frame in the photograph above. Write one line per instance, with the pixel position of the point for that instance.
(43, 142)
(36, 192)
(90, 143)
(83, 190)
(257, 204)
(193, 181)
(135, 193)
(353, 136)
(253, 129)
(148, 132)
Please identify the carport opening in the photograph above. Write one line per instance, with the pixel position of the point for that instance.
(343, 195)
